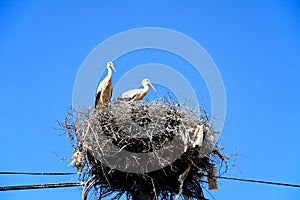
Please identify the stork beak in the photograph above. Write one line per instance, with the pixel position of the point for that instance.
(113, 68)
(152, 87)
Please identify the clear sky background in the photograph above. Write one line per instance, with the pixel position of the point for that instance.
(255, 44)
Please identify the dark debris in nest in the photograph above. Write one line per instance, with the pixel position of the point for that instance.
(144, 128)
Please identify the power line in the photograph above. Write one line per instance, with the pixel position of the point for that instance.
(259, 181)
(40, 173)
(57, 185)
(41, 186)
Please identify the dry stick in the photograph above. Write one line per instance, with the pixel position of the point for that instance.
(154, 190)
(181, 179)
(211, 178)
(87, 186)
(101, 165)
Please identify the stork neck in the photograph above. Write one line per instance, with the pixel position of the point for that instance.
(146, 88)
(109, 73)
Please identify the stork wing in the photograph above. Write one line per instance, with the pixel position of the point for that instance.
(130, 94)
(98, 93)
(97, 98)
(103, 86)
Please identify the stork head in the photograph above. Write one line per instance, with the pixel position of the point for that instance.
(146, 82)
(111, 66)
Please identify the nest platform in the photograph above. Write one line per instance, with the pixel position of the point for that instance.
(109, 144)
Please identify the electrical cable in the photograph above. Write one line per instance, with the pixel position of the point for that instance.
(41, 186)
(259, 181)
(40, 173)
(75, 184)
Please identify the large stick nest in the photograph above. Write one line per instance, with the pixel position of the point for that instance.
(179, 144)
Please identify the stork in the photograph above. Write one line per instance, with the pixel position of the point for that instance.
(105, 88)
(136, 95)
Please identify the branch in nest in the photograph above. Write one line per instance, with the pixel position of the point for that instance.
(211, 178)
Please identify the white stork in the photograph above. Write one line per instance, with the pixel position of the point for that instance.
(136, 95)
(105, 88)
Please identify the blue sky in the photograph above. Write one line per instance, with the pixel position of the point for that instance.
(255, 44)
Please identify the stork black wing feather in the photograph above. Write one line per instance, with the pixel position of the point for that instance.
(97, 98)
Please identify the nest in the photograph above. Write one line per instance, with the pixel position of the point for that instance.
(150, 150)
